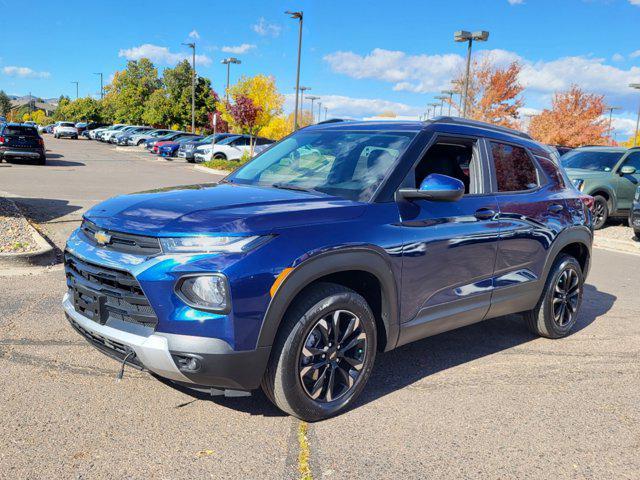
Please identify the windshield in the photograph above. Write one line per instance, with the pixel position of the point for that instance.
(228, 140)
(66, 124)
(346, 164)
(591, 160)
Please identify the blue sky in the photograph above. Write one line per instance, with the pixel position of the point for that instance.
(361, 57)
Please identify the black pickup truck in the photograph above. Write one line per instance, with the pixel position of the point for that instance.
(21, 141)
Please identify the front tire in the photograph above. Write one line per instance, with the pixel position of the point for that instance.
(219, 156)
(557, 310)
(600, 212)
(324, 353)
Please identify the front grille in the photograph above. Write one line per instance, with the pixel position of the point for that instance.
(101, 293)
(107, 346)
(122, 242)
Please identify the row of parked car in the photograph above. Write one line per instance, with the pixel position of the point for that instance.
(176, 143)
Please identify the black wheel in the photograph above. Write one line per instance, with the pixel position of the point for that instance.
(191, 160)
(324, 353)
(42, 160)
(600, 211)
(636, 231)
(557, 310)
(219, 156)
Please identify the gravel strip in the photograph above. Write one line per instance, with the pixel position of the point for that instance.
(617, 232)
(16, 233)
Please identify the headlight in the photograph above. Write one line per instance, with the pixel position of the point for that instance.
(209, 292)
(208, 244)
(578, 182)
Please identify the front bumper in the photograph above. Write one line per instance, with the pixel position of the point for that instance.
(634, 216)
(220, 367)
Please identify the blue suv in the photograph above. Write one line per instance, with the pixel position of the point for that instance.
(339, 242)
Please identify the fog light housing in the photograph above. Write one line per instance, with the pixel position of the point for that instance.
(205, 292)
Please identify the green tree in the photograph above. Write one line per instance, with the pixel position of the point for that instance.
(158, 109)
(85, 109)
(131, 88)
(5, 104)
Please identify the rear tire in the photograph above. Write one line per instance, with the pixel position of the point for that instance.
(601, 212)
(310, 375)
(219, 156)
(557, 310)
(42, 160)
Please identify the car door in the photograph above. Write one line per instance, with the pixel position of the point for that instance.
(449, 247)
(532, 213)
(626, 184)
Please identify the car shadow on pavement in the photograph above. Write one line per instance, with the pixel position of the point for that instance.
(406, 365)
(410, 363)
(42, 210)
(52, 161)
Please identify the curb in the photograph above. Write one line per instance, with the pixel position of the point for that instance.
(44, 255)
(211, 171)
(615, 245)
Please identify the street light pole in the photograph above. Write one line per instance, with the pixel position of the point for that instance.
(101, 87)
(442, 98)
(228, 62)
(192, 46)
(319, 110)
(312, 98)
(302, 89)
(434, 106)
(326, 110)
(299, 16)
(77, 83)
(611, 109)
(450, 93)
(464, 36)
(635, 137)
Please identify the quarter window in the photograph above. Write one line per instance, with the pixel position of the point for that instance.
(515, 170)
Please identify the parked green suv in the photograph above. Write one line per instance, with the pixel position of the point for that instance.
(609, 174)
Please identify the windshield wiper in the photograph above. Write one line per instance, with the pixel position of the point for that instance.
(290, 186)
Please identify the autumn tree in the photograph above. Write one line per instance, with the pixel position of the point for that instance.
(494, 93)
(574, 119)
(5, 104)
(245, 114)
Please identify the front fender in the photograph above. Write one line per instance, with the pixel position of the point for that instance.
(367, 259)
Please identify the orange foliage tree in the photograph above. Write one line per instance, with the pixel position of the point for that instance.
(574, 119)
(494, 93)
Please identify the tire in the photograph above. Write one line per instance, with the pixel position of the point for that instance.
(191, 160)
(636, 231)
(560, 285)
(309, 323)
(42, 160)
(600, 212)
(219, 156)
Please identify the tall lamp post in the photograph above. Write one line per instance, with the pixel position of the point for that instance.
(77, 91)
(442, 98)
(313, 98)
(611, 109)
(464, 36)
(192, 46)
(302, 90)
(298, 16)
(228, 62)
(319, 110)
(434, 106)
(635, 137)
(326, 111)
(101, 86)
(450, 93)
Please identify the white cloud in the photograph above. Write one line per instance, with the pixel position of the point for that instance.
(160, 55)
(616, 57)
(635, 53)
(349, 107)
(634, 2)
(266, 29)
(624, 126)
(24, 72)
(194, 34)
(515, 2)
(238, 49)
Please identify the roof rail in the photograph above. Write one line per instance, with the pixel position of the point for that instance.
(477, 123)
(333, 120)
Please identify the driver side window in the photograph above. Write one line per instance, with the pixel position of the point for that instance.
(453, 157)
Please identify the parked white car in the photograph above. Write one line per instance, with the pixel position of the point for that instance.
(65, 129)
(93, 134)
(231, 148)
(109, 134)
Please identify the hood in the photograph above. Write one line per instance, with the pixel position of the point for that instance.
(224, 208)
(582, 173)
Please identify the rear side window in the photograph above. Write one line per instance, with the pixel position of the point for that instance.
(21, 131)
(515, 170)
(632, 160)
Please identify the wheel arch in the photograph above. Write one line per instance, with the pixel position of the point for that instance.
(608, 194)
(336, 267)
(575, 241)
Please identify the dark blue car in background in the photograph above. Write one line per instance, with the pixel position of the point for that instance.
(339, 242)
(171, 149)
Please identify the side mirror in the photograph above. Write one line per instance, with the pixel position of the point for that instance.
(435, 187)
(627, 170)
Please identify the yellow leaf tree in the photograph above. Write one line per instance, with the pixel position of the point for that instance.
(262, 90)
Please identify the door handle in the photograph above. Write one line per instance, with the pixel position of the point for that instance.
(556, 208)
(484, 214)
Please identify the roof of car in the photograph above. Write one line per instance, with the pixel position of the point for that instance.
(602, 148)
(415, 125)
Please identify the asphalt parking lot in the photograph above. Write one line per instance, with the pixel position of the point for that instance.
(485, 401)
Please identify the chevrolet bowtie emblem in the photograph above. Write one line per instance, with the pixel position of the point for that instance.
(102, 237)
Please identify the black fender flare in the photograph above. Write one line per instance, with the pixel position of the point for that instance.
(575, 234)
(352, 258)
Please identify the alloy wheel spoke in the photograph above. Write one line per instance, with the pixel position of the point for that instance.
(354, 342)
(354, 362)
(331, 384)
(307, 368)
(319, 385)
(353, 324)
(336, 327)
(323, 328)
(348, 379)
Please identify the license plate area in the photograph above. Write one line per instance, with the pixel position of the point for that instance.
(90, 304)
